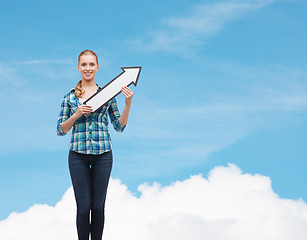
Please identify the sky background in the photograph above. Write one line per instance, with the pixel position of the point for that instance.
(222, 82)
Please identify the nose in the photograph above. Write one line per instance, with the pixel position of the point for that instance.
(87, 67)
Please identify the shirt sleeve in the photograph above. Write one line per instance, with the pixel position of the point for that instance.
(63, 116)
(114, 116)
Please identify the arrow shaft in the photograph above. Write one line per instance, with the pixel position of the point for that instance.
(106, 94)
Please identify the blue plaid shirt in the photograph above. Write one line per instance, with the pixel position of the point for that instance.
(90, 133)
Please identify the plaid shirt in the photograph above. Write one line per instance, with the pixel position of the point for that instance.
(90, 133)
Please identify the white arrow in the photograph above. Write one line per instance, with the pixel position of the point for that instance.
(113, 88)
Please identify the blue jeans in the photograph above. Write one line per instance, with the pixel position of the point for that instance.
(90, 177)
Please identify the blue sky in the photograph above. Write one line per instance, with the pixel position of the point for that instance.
(222, 82)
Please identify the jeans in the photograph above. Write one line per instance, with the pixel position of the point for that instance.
(90, 177)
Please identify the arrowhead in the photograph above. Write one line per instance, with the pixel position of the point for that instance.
(134, 72)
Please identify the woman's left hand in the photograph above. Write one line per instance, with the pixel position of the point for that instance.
(128, 94)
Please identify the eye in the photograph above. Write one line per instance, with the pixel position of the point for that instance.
(83, 64)
(92, 64)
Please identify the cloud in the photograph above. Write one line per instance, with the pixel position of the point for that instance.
(179, 34)
(68, 61)
(9, 76)
(227, 205)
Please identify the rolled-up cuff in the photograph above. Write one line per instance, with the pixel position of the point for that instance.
(60, 130)
(118, 127)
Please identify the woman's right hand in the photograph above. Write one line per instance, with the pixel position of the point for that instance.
(83, 109)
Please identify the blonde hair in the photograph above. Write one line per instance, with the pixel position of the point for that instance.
(78, 89)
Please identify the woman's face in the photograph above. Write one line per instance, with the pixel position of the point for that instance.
(88, 66)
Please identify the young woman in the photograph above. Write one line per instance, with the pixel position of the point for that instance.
(90, 151)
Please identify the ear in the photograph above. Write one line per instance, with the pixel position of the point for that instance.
(97, 67)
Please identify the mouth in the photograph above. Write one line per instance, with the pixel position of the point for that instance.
(88, 74)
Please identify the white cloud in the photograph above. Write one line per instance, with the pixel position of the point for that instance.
(9, 76)
(228, 205)
(204, 20)
(67, 61)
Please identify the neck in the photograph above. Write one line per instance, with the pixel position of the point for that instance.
(90, 83)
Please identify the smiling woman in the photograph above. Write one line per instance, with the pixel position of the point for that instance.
(90, 156)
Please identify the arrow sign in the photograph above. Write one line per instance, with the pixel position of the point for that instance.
(113, 88)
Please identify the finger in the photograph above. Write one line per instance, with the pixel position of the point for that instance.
(86, 112)
(130, 93)
(128, 90)
(86, 106)
(124, 88)
(124, 92)
(86, 109)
